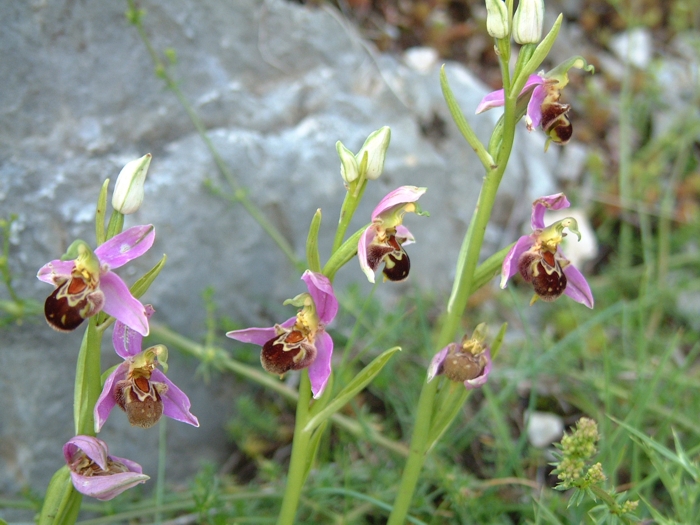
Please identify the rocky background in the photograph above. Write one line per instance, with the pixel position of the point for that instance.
(276, 84)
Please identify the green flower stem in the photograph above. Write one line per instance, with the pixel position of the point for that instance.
(300, 446)
(134, 15)
(350, 203)
(462, 286)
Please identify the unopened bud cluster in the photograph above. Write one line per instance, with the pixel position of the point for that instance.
(370, 158)
(527, 20)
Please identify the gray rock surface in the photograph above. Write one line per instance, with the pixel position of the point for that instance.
(276, 85)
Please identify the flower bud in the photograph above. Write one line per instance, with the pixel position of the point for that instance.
(348, 165)
(128, 191)
(497, 18)
(375, 146)
(527, 22)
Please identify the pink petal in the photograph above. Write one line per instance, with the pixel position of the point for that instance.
(320, 369)
(492, 100)
(109, 486)
(94, 448)
(405, 235)
(435, 368)
(532, 80)
(176, 404)
(120, 304)
(534, 107)
(365, 240)
(127, 341)
(577, 287)
(56, 270)
(398, 197)
(557, 201)
(322, 293)
(105, 403)
(258, 336)
(126, 246)
(510, 262)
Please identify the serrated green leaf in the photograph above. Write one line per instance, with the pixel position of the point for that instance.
(360, 381)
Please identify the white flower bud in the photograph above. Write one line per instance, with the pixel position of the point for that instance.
(497, 18)
(128, 191)
(375, 146)
(348, 165)
(527, 22)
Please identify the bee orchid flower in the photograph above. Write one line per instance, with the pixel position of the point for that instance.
(544, 108)
(383, 240)
(87, 285)
(97, 474)
(468, 362)
(138, 387)
(539, 260)
(301, 341)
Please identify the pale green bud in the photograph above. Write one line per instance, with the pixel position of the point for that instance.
(348, 165)
(375, 146)
(128, 191)
(497, 18)
(527, 22)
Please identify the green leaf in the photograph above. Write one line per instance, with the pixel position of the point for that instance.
(489, 269)
(312, 447)
(87, 380)
(448, 410)
(100, 214)
(462, 123)
(498, 341)
(689, 467)
(343, 254)
(360, 381)
(62, 502)
(541, 52)
(141, 286)
(312, 256)
(116, 224)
